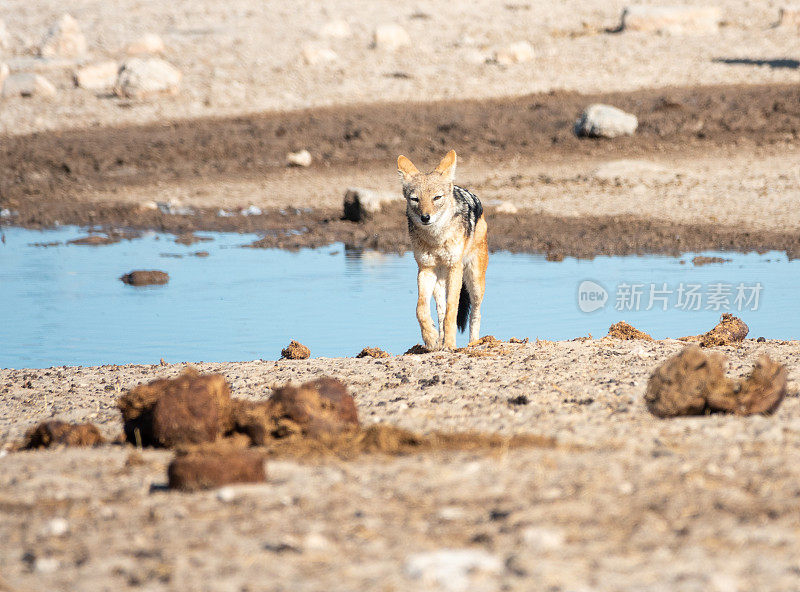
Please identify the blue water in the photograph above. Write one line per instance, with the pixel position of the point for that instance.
(65, 305)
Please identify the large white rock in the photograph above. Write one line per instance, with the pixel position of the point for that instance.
(672, 20)
(360, 204)
(516, 53)
(391, 37)
(452, 569)
(140, 78)
(314, 54)
(335, 29)
(605, 121)
(102, 75)
(28, 84)
(147, 43)
(64, 40)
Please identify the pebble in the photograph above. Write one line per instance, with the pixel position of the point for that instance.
(140, 78)
(64, 39)
(27, 84)
(451, 569)
(300, 159)
(336, 29)
(56, 527)
(314, 54)
(44, 565)
(543, 539)
(605, 121)
(4, 72)
(672, 20)
(252, 211)
(516, 53)
(147, 43)
(226, 494)
(391, 37)
(97, 76)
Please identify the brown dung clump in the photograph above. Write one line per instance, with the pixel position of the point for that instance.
(295, 351)
(145, 277)
(694, 383)
(192, 408)
(207, 469)
(416, 350)
(623, 330)
(372, 352)
(730, 329)
(52, 433)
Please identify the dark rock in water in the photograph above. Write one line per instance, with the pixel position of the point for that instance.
(95, 240)
(145, 277)
(209, 469)
(51, 433)
(189, 238)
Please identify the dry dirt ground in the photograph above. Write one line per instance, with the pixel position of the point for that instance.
(622, 501)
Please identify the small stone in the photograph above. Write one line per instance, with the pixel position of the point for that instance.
(316, 542)
(362, 204)
(295, 351)
(516, 53)
(147, 43)
(252, 211)
(99, 76)
(672, 20)
(140, 78)
(226, 495)
(63, 40)
(314, 54)
(56, 527)
(27, 84)
(605, 121)
(299, 159)
(390, 37)
(145, 277)
(451, 569)
(788, 17)
(335, 29)
(46, 565)
(506, 208)
(543, 539)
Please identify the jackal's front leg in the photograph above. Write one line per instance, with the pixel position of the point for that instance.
(426, 280)
(455, 276)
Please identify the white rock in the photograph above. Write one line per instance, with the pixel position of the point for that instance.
(300, 159)
(672, 20)
(360, 204)
(27, 84)
(64, 39)
(314, 53)
(45, 565)
(148, 205)
(97, 76)
(451, 513)
(390, 37)
(452, 569)
(140, 78)
(605, 121)
(543, 539)
(56, 527)
(335, 29)
(147, 43)
(516, 53)
(5, 38)
(788, 17)
(226, 494)
(507, 207)
(251, 210)
(316, 542)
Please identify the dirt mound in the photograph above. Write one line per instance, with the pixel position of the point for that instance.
(730, 329)
(295, 351)
(623, 330)
(166, 412)
(372, 352)
(213, 468)
(145, 277)
(694, 383)
(52, 433)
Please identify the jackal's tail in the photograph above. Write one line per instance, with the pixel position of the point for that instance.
(463, 309)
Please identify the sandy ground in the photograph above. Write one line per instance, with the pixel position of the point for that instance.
(246, 57)
(624, 501)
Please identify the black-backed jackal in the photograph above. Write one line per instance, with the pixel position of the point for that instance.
(448, 235)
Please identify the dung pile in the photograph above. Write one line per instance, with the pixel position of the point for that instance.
(55, 432)
(694, 383)
(623, 330)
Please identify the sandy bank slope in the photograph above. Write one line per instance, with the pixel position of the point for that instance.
(624, 501)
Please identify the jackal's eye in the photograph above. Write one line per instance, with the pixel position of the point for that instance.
(435, 197)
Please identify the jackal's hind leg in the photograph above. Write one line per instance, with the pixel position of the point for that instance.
(474, 280)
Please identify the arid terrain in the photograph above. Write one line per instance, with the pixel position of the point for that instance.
(615, 499)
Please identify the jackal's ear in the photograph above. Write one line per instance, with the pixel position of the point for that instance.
(447, 168)
(406, 168)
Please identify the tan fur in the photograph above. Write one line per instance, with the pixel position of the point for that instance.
(446, 255)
